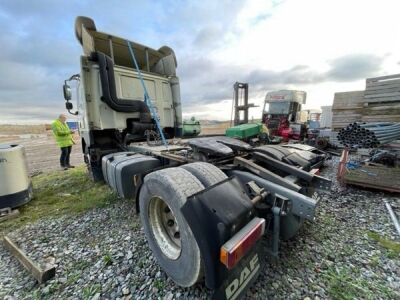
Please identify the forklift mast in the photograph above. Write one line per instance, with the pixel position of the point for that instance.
(241, 103)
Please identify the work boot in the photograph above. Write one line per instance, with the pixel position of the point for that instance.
(70, 167)
(64, 168)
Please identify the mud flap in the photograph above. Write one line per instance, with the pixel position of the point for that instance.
(240, 278)
(215, 215)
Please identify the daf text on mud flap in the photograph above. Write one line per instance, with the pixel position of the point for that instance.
(238, 284)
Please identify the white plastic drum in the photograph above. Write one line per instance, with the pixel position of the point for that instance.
(15, 183)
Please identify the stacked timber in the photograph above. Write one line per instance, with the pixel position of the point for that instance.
(382, 99)
(347, 108)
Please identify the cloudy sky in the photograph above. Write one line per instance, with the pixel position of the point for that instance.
(318, 46)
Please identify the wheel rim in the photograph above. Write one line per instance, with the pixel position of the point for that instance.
(165, 228)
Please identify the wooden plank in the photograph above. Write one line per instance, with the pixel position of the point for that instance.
(376, 106)
(39, 274)
(381, 87)
(373, 186)
(348, 95)
(347, 98)
(347, 111)
(381, 118)
(394, 76)
(382, 91)
(383, 95)
(384, 110)
(343, 118)
(367, 176)
(353, 93)
(382, 83)
(349, 107)
(346, 120)
(340, 125)
(382, 99)
(348, 102)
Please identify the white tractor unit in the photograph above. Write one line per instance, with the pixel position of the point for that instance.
(204, 202)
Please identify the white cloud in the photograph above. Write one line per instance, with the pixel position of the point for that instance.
(317, 46)
(314, 33)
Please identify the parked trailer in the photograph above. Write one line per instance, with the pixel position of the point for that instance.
(204, 202)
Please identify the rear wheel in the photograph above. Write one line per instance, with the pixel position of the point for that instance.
(207, 173)
(170, 238)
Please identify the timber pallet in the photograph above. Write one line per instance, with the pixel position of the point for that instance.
(384, 89)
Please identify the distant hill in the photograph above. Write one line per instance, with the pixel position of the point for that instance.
(212, 122)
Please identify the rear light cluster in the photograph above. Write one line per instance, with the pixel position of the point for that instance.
(238, 246)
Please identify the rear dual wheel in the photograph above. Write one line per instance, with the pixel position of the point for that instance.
(169, 236)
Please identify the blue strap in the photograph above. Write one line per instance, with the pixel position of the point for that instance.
(147, 99)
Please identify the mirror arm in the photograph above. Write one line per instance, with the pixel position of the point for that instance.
(73, 113)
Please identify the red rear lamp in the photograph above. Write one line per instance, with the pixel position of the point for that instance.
(238, 246)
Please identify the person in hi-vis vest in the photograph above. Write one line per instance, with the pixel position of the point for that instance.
(63, 135)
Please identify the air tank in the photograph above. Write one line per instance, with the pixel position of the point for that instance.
(15, 182)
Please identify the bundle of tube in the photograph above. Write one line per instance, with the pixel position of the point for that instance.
(369, 135)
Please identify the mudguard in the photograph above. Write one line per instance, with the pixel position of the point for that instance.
(214, 216)
(219, 145)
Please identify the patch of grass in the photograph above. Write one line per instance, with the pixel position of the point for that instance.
(346, 284)
(89, 291)
(73, 277)
(374, 261)
(141, 262)
(107, 259)
(81, 264)
(59, 193)
(392, 247)
(159, 284)
(54, 287)
(36, 295)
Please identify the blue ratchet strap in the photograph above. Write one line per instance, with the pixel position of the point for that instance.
(147, 99)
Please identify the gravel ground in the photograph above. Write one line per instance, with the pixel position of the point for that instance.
(103, 254)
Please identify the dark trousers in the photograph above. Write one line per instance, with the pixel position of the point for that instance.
(64, 158)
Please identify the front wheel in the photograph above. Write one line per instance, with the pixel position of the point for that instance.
(169, 236)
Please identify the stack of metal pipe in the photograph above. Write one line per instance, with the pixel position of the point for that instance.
(369, 135)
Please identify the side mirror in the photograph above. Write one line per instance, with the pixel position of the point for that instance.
(67, 92)
(68, 106)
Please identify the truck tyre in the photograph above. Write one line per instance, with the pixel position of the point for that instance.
(170, 238)
(208, 174)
